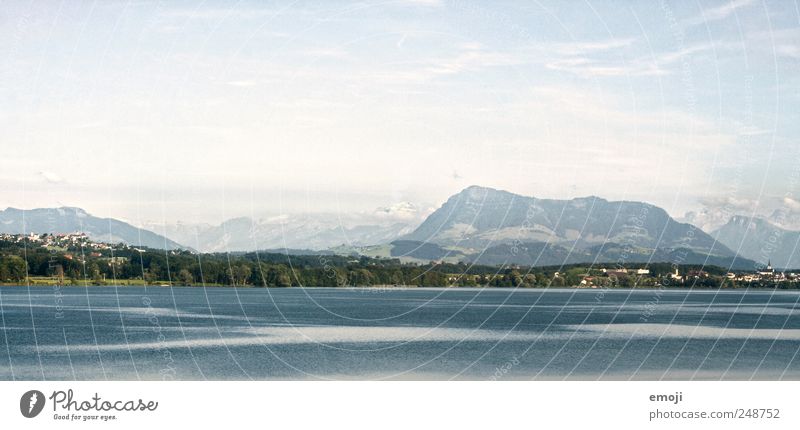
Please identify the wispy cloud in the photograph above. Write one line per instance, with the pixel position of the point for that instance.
(718, 13)
(329, 52)
(672, 57)
(784, 41)
(50, 177)
(469, 58)
(587, 68)
(571, 57)
(434, 3)
(242, 83)
(789, 51)
(591, 59)
(588, 47)
(217, 13)
(792, 204)
(472, 59)
(608, 66)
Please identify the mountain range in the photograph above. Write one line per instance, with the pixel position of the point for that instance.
(761, 240)
(312, 232)
(315, 232)
(477, 225)
(478, 217)
(489, 226)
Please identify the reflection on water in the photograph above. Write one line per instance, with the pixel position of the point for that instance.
(314, 333)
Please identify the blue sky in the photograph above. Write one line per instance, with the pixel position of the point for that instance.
(203, 111)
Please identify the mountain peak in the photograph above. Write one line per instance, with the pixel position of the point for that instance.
(739, 219)
(747, 221)
(477, 193)
(590, 198)
(60, 210)
(72, 210)
(477, 189)
(760, 240)
(478, 217)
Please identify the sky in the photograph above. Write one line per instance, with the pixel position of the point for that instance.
(204, 111)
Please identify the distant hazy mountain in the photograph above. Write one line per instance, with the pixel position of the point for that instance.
(424, 251)
(761, 240)
(310, 231)
(478, 218)
(543, 254)
(71, 220)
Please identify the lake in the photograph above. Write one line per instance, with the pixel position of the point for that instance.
(152, 333)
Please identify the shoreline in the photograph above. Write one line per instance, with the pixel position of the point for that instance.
(405, 288)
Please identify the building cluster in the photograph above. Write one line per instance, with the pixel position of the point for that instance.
(766, 274)
(59, 240)
(74, 246)
(591, 281)
(763, 275)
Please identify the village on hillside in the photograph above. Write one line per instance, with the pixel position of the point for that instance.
(66, 242)
(602, 276)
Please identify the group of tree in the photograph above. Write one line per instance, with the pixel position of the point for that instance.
(321, 270)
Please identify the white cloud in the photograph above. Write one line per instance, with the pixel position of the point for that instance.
(587, 47)
(715, 211)
(672, 57)
(435, 3)
(243, 83)
(587, 68)
(471, 59)
(792, 204)
(790, 51)
(577, 61)
(750, 130)
(51, 177)
(782, 42)
(403, 211)
(722, 12)
(327, 52)
(718, 13)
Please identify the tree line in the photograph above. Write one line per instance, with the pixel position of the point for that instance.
(80, 266)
